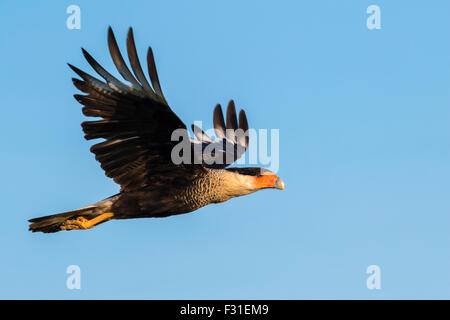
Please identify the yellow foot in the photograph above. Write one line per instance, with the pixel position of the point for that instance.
(82, 223)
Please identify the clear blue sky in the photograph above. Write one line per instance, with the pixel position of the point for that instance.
(364, 129)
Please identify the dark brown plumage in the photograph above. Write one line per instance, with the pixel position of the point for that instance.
(137, 125)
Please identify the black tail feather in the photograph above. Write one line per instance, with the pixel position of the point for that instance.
(53, 223)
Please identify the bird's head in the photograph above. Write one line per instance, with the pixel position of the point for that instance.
(258, 178)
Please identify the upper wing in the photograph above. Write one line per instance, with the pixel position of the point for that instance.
(136, 123)
(232, 143)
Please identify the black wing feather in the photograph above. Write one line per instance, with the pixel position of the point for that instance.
(154, 74)
(219, 123)
(243, 125)
(231, 121)
(118, 60)
(134, 61)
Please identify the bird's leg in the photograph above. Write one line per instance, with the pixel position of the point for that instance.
(81, 223)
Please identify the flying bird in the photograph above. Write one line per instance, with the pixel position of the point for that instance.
(137, 151)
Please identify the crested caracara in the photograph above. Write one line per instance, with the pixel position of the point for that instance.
(137, 152)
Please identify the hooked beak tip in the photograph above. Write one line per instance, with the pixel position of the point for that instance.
(279, 184)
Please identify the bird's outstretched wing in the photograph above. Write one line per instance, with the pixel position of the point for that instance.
(232, 140)
(137, 123)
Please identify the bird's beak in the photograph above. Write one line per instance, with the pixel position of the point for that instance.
(279, 184)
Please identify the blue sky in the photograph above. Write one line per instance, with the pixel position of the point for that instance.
(364, 150)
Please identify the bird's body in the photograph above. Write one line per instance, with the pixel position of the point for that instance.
(138, 125)
(212, 186)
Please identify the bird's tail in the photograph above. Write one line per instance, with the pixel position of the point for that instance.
(57, 222)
